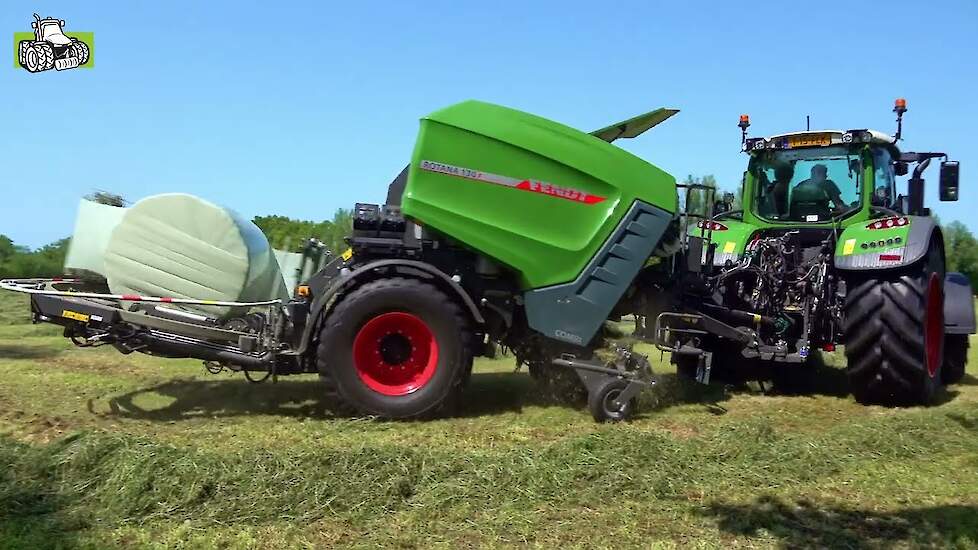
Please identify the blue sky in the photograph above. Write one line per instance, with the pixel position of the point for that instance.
(299, 109)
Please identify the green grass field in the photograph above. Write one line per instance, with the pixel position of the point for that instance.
(104, 450)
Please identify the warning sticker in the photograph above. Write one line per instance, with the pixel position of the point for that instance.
(67, 314)
(848, 247)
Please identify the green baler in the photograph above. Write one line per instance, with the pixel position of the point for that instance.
(505, 229)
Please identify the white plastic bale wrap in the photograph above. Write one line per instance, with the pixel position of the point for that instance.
(93, 229)
(182, 246)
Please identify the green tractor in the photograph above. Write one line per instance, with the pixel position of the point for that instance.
(51, 47)
(826, 251)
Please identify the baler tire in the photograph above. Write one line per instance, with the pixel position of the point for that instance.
(955, 357)
(599, 402)
(351, 330)
(887, 348)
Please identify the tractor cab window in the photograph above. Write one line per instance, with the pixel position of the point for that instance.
(48, 29)
(806, 185)
(884, 186)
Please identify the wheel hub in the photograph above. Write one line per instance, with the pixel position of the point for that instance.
(395, 348)
(611, 405)
(395, 353)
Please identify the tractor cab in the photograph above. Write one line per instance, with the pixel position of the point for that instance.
(818, 177)
(818, 183)
(50, 30)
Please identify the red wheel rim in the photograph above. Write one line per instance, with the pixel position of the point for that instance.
(395, 353)
(934, 325)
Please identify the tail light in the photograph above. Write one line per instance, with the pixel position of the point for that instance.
(711, 225)
(887, 223)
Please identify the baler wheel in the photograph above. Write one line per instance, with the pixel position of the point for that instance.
(601, 402)
(396, 348)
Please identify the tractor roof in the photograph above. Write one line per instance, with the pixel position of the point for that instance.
(821, 138)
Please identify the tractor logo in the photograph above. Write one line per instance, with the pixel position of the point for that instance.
(51, 48)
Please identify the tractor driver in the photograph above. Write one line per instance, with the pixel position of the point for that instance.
(775, 193)
(820, 181)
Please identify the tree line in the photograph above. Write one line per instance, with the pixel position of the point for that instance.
(284, 233)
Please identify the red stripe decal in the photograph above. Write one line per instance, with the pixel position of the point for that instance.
(890, 257)
(560, 192)
(166, 299)
(131, 297)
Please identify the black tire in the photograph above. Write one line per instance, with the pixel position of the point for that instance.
(601, 402)
(45, 56)
(894, 357)
(22, 48)
(80, 50)
(955, 358)
(32, 62)
(363, 325)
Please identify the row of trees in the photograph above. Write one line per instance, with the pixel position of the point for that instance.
(22, 262)
(285, 233)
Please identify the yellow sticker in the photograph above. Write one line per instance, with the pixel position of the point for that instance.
(848, 247)
(347, 255)
(74, 315)
(728, 247)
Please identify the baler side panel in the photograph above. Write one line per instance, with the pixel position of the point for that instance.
(574, 312)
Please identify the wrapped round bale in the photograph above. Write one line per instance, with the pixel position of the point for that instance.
(182, 246)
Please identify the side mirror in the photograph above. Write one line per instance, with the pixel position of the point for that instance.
(900, 168)
(948, 186)
(62, 23)
(724, 204)
(33, 24)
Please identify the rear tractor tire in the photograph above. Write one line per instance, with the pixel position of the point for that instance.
(396, 348)
(894, 334)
